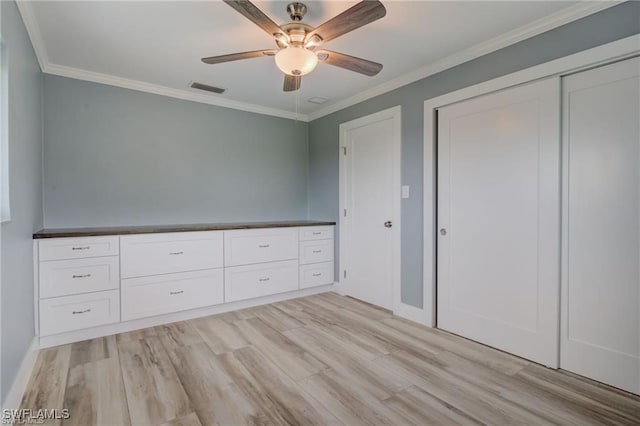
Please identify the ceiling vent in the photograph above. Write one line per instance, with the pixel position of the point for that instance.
(317, 100)
(206, 87)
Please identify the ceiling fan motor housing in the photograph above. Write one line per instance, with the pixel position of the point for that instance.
(296, 11)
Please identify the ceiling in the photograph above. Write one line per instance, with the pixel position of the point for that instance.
(156, 46)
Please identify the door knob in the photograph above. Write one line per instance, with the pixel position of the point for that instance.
(388, 224)
(443, 231)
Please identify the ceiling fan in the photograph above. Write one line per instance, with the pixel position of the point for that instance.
(298, 42)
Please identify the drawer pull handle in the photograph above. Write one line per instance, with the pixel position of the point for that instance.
(263, 245)
(82, 276)
(81, 248)
(317, 274)
(317, 251)
(176, 253)
(263, 279)
(316, 233)
(176, 292)
(81, 312)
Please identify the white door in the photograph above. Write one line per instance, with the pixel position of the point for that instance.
(498, 220)
(600, 332)
(370, 208)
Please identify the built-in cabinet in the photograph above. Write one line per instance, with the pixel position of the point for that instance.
(96, 281)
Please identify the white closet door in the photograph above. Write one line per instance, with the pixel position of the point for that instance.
(499, 217)
(600, 332)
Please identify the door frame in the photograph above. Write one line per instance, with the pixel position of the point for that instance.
(395, 114)
(601, 55)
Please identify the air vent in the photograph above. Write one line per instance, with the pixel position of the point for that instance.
(206, 87)
(317, 100)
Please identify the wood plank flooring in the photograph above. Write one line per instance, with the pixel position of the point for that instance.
(319, 360)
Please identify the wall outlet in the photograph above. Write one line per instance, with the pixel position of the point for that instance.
(405, 191)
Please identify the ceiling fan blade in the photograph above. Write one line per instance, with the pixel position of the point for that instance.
(238, 56)
(255, 15)
(350, 63)
(291, 82)
(355, 17)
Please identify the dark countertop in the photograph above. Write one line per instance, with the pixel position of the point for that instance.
(154, 229)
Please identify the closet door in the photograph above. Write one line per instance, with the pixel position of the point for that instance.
(600, 329)
(499, 220)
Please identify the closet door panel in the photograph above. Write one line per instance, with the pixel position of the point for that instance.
(499, 220)
(600, 331)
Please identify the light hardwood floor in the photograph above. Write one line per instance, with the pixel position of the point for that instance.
(322, 359)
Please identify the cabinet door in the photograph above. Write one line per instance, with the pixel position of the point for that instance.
(600, 327)
(143, 255)
(247, 246)
(164, 294)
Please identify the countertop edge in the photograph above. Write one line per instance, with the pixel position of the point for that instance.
(159, 229)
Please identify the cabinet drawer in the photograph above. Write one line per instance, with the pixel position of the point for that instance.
(316, 251)
(163, 294)
(244, 247)
(246, 282)
(316, 233)
(143, 255)
(75, 276)
(68, 313)
(76, 248)
(316, 274)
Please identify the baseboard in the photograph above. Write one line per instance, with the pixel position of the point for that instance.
(339, 288)
(123, 327)
(14, 397)
(411, 313)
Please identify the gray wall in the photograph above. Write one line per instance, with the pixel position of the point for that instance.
(25, 180)
(119, 157)
(609, 25)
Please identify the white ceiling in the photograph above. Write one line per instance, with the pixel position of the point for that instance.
(157, 45)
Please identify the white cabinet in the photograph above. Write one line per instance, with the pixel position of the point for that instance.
(65, 277)
(75, 248)
(316, 256)
(249, 281)
(60, 314)
(95, 281)
(171, 272)
(316, 251)
(248, 246)
(163, 294)
(316, 274)
(153, 254)
(316, 233)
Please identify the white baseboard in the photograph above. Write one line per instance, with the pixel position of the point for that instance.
(339, 288)
(122, 327)
(411, 313)
(14, 397)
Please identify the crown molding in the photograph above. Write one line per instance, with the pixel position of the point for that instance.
(30, 23)
(141, 86)
(562, 17)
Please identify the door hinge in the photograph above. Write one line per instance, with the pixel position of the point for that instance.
(345, 213)
(344, 273)
(344, 150)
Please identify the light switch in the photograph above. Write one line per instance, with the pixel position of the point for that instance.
(405, 191)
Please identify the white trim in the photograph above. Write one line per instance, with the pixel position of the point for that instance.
(610, 52)
(394, 113)
(562, 17)
(157, 89)
(14, 396)
(409, 312)
(555, 20)
(122, 327)
(31, 24)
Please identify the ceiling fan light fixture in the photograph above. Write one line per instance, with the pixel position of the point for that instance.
(296, 61)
